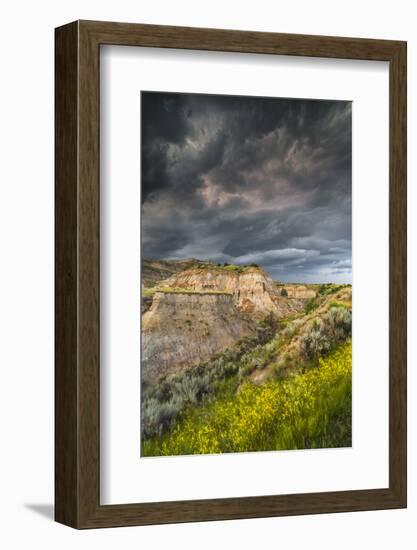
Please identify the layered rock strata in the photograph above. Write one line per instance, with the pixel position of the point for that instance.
(181, 330)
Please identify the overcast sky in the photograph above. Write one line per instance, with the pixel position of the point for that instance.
(248, 180)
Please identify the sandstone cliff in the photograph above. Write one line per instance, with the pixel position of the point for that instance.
(253, 290)
(299, 291)
(182, 329)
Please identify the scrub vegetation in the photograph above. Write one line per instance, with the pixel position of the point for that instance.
(309, 410)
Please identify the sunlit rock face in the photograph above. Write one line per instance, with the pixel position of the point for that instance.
(253, 291)
(300, 292)
(202, 311)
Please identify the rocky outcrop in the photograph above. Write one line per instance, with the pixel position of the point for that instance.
(253, 291)
(181, 330)
(202, 310)
(299, 292)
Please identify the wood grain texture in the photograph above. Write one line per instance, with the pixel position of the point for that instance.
(78, 284)
(398, 273)
(66, 237)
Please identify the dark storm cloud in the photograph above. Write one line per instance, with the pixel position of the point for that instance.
(248, 180)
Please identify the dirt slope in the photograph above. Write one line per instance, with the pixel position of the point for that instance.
(181, 330)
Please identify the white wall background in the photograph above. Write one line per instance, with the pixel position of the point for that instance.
(26, 272)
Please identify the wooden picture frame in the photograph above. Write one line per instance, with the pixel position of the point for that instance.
(77, 374)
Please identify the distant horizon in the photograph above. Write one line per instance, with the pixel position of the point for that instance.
(267, 269)
(242, 180)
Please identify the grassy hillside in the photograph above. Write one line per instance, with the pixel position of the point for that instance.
(197, 411)
(309, 410)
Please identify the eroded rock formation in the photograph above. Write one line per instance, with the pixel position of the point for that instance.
(299, 292)
(200, 311)
(253, 290)
(183, 329)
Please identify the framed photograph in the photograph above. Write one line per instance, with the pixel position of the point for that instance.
(230, 274)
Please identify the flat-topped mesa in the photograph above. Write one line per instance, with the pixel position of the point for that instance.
(183, 329)
(253, 290)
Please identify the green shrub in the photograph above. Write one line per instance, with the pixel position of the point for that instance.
(340, 323)
(322, 335)
(311, 305)
(329, 288)
(315, 340)
(158, 417)
(289, 330)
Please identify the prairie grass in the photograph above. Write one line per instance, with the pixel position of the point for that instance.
(309, 410)
(231, 268)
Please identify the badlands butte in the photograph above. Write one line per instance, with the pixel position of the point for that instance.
(194, 309)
